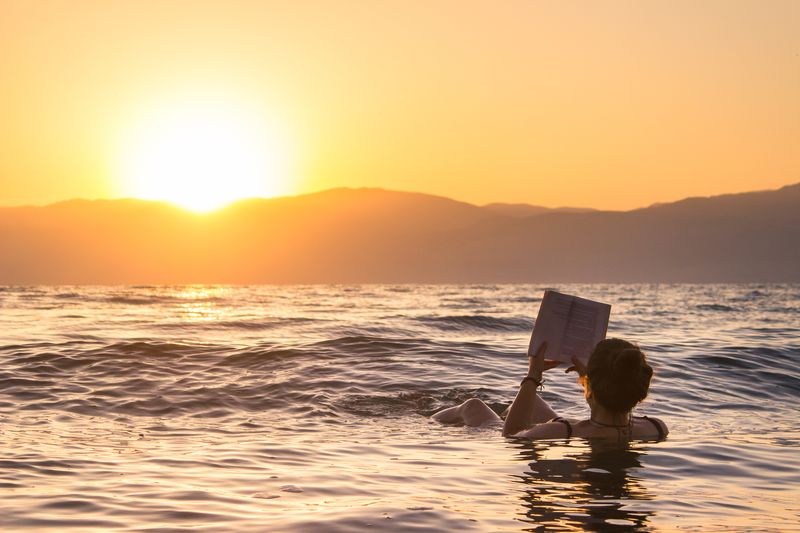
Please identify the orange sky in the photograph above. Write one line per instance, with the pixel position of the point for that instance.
(598, 104)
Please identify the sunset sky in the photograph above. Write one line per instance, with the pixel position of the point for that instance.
(600, 104)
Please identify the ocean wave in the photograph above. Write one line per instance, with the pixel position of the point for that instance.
(715, 307)
(384, 405)
(262, 324)
(158, 299)
(131, 300)
(526, 299)
(256, 358)
(349, 374)
(422, 402)
(68, 295)
(154, 348)
(347, 342)
(480, 322)
(380, 329)
(751, 296)
(399, 289)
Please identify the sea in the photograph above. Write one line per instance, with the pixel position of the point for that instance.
(307, 409)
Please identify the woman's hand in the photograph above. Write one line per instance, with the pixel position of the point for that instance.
(577, 366)
(537, 364)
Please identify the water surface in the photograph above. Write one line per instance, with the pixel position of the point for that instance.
(305, 408)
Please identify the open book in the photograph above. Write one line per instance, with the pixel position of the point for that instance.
(571, 326)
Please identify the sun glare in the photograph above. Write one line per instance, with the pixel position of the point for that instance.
(203, 156)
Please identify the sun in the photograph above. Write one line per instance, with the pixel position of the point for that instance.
(203, 155)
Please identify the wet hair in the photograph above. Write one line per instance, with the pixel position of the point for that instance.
(618, 375)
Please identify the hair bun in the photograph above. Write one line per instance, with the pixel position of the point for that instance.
(628, 362)
(618, 374)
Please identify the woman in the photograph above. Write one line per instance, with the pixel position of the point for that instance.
(616, 378)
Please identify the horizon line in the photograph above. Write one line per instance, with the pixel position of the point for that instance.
(368, 188)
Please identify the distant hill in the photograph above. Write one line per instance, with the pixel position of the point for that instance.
(375, 235)
(526, 210)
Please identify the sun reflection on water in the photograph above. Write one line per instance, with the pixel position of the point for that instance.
(202, 303)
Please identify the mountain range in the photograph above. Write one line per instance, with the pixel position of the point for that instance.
(382, 236)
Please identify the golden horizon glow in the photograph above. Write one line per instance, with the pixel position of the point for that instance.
(606, 104)
(203, 155)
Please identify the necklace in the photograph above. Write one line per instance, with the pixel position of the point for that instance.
(623, 430)
(602, 424)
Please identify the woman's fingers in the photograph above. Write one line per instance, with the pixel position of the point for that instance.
(548, 364)
(577, 366)
(537, 364)
(541, 351)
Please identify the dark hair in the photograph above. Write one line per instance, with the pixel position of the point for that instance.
(618, 375)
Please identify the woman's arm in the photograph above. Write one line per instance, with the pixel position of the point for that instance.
(528, 408)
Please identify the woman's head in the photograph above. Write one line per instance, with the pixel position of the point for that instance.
(618, 375)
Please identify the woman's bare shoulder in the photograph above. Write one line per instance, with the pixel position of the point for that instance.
(650, 423)
(546, 430)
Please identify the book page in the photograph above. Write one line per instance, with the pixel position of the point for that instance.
(572, 326)
(550, 323)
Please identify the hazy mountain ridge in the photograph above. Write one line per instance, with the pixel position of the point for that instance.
(527, 210)
(375, 235)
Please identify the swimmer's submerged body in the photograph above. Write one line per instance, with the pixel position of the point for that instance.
(615, 379)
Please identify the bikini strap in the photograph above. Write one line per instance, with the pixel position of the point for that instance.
(566, 423)
(660, 429)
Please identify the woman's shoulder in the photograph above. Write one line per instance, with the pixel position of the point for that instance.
(557, 428)
(645, 427)
(653, 424)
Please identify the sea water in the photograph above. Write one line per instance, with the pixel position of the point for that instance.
(306, 408)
